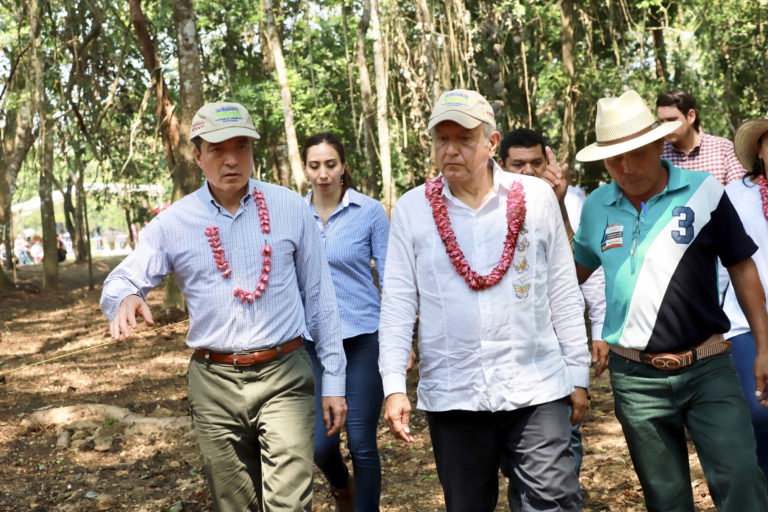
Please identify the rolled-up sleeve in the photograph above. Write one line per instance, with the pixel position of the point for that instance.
(399, 304)
(321, 312)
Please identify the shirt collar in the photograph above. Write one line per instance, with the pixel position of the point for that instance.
(214, 205)
(350, 196)
(674, 182)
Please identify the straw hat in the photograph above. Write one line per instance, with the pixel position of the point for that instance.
(745, 141)
(218, 121)
(623, 124)
(468, 108)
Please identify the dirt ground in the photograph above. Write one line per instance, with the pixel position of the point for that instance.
(94, 457)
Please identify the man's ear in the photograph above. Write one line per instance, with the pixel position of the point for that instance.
(691, 116)
(493, 142)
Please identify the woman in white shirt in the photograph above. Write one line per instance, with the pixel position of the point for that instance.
(750, 198)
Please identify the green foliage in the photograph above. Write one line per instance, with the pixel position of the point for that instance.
(512, 52)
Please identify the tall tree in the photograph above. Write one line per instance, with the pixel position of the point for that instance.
(568, 144)
(186, 174)
(45, 151)
(382, 114)
(285, 95)
(165, 110)
(366, 97)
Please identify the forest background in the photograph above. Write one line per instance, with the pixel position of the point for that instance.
(96, 91)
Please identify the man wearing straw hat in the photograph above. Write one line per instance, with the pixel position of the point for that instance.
(657, 230)
(251, 265)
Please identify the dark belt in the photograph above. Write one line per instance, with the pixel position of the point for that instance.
(250, 358)
(712, 346)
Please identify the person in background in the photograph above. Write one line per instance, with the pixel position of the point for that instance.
(688, 147)
(749, 196)
(354, 229)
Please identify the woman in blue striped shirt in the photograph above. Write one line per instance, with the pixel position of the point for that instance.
(354, 229)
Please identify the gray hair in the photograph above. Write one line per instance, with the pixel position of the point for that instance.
(488, 130)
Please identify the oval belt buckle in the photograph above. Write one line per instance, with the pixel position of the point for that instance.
(666, 362)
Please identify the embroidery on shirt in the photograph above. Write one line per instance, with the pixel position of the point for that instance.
(521, 290)
(522, 266)
(523, 244)
(612, 237)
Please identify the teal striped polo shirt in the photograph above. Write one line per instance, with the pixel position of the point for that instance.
(661, 262)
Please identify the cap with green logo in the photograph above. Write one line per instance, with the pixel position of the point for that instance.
(468, 108)
(219, 121)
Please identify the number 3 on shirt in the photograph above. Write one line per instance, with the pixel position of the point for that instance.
(685, 218)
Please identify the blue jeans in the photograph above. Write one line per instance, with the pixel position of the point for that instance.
(364, 398)
(744, 352)
(656, 407)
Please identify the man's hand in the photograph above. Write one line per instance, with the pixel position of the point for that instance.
(554, 174)
(125, 320)
(600, 353)
(334, 413)
(579, 401)
(397, 414)
(761, 379)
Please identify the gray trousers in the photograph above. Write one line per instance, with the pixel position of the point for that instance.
(468, 446)
(255, 427)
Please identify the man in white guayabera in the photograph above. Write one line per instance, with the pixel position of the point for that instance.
(482, 257)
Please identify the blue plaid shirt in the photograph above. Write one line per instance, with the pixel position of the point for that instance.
(299, 297)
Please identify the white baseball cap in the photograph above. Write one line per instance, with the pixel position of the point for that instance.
(219, 121)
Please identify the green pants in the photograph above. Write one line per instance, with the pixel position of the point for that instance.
(255, 426)
(655, 407)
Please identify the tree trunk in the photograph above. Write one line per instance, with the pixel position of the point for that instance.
(285, 96)
(380, 66)
(366, 100)
(50, 258)
(169, 122)
(568, 143)
(186, 173)
(659, 47)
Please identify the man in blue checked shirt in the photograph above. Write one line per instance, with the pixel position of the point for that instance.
(249, 261)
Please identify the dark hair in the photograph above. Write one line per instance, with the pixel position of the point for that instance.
(333, 141)
(758, 168)
(198, 142)
(683, 101)
(522, 138)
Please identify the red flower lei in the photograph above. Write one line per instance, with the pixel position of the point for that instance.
(212, 232)
(763, 193)
(515, 216)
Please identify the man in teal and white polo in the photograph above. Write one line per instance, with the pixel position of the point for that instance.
(658, 230)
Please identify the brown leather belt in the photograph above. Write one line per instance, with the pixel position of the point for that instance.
(250, 358)
(712, 346)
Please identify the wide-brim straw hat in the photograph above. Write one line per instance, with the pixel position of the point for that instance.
(745, 141)
(623, 124)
